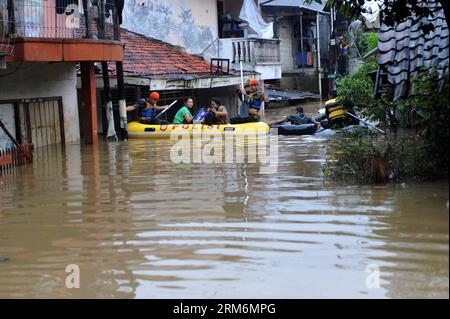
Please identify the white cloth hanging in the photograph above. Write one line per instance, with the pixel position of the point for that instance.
(250, 13)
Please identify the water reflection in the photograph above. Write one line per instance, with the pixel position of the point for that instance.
(140, 226)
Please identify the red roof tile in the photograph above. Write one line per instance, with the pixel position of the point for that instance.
(148, 57)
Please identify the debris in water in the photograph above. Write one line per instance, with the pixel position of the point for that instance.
(4, 259)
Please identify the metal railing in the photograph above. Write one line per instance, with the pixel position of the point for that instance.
(256, 51)
(219, 66)
(75, 19)
(6, 42)
(13, 156)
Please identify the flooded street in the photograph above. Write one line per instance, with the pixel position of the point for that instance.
(140, 226)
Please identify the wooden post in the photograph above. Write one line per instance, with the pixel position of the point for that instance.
(89, 103)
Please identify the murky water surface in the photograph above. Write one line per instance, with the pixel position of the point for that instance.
(139, 226)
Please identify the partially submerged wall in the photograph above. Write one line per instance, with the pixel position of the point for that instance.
(31, 80)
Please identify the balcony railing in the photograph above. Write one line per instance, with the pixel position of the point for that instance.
(255, 51)
(74, 19)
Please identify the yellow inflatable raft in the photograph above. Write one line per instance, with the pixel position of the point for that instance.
(138, 130)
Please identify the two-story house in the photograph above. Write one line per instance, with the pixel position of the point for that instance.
(305, 31)
(41, 42)
(210, 28)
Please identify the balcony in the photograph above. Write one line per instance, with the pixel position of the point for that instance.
(260, 55)
(59, 30)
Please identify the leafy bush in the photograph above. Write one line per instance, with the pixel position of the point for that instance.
(359, 87)
(430, 103)
(355, 159)
(360, 90)
(372, 41)
(369, 161)
(364, 42)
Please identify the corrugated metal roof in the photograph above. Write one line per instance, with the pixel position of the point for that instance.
(314, 6)
(405, 47)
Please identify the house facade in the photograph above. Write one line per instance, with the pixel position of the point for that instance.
(41, 42)
(154, 65)
(304, 31)
(199, 27)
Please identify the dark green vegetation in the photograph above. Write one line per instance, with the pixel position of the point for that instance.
(419, 152)
(391, 11)
(422, 152)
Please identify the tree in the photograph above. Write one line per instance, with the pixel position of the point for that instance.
(391, 11)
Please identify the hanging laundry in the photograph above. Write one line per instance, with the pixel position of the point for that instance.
(250, 13)
(61, 5)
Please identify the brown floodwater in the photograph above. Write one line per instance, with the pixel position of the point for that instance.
(140, 226)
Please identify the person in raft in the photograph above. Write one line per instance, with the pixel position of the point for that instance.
(337, 113)
(299, 119)
(147, 109)
(184, 115)
(217, 113)
(254, 99)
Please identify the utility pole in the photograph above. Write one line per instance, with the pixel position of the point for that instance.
(332, 52)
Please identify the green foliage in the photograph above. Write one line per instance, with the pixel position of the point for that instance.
(372, 41)
(364, 42)
(367, 161)
(422, 156)
(408, 159)
(430, 103)
(359, 89)
(351, 159)
(391, 11)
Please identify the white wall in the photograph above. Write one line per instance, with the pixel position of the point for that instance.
(42, 79)
(7, 117)
(191, 24)
(269, 71)
(284, 31)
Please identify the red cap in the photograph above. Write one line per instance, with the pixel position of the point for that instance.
(254, 82)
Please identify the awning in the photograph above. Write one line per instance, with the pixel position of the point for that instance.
(314, 6)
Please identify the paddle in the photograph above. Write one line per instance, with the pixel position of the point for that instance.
(200, 115)
(368, 124)
(166, 109)
(244, 107)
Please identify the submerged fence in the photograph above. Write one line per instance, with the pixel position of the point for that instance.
(11, 157)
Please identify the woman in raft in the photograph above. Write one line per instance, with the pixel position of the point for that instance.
(184, 115)
(217, 113)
